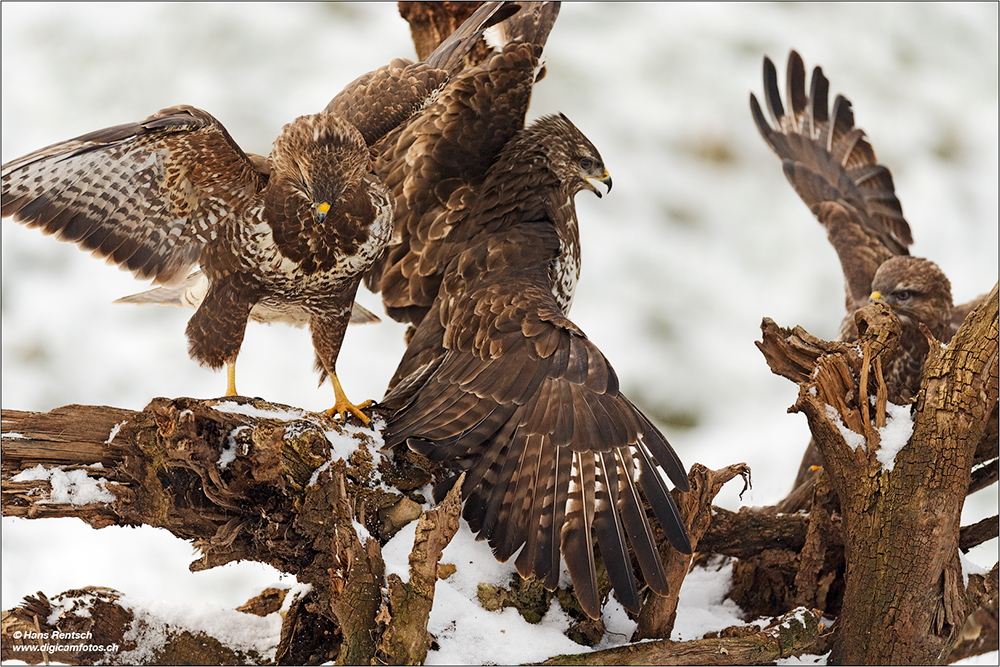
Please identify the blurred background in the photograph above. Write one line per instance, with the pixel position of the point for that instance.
(700, 239)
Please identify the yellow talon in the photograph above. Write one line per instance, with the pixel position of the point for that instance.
(342, 405)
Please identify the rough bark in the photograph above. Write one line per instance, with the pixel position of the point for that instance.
(904, 598)
(791, 635)
(657, 616)
(405, 641)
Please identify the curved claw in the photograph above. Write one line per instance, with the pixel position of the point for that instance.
(342, 405)
(347, 407)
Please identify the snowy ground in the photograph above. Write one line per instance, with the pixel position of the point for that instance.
(700, 238)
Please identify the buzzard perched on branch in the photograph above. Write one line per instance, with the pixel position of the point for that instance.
(286, 236)
(159, 196)
(832, 167)
(497, 381)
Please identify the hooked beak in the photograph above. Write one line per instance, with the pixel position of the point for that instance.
(321, 211)
(605, 179)
(877, 296)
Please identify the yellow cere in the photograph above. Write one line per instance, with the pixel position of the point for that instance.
(323, 208)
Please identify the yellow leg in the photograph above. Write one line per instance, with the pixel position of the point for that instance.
(343, 406)
(231, 379)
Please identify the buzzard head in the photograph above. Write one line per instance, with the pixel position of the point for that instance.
(916, 290)
(322, 156)
(570, 155)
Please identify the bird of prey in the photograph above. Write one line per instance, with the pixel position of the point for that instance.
(435, 165)
(292, 233)
(833, 168)
(161, 195)
(497, 381)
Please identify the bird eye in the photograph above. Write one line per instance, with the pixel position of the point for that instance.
(903, 294)
(586, 163)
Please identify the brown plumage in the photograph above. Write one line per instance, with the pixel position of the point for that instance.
(159, 196)
(495, 380)
(833, 168)
(288, 237)
(435, 165)
(499, 382)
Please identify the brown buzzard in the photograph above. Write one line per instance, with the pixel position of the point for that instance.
(497, 381)
(436, 164)
(290, 235)
(832, 167)
(159, 196)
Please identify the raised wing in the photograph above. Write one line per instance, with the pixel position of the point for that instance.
(379, 101)
(498, 382)
(147, 196)
(435, 162)
(833, 169)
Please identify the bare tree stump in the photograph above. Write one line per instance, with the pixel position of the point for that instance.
(904, 600)
(656, 619)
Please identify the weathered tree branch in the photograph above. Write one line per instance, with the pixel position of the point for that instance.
(405, 641)
(656, 619)
(904, 600)
(790, 635)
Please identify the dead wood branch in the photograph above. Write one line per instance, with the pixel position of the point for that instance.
(792, 635)
(656, 619)
(405, 641)
(96, 626)
(904, 600)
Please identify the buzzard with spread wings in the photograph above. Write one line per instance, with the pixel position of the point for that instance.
(497, 381)
(286, 236)
(435, 164)
(833, 168)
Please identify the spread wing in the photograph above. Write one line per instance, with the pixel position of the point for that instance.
(379, 101)
(503, 385)
(833, 169)
(435, 162)
(147, 196)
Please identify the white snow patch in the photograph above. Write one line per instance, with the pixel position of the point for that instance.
(155, 621)
(15, 436)
(294, 591)
(114, 431)
(618, 627)
(252, 411)
(853, 440)
(363, 534)
(31, 474)
(894, 435)
(318, 471)
(968, 567)
(77, 605)
(228, 454)
(701, 607)
(469, 635)
(396, 552)
(74, 487)
(804, 660)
